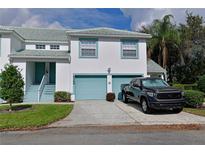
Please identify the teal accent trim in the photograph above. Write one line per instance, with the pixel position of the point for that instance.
(127, 74)
(137, 48)
(39, 71)
(90, 57)
(90, 87)
(88, 38)
(87, 74)
(52, 73)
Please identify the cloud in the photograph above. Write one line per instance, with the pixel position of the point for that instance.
(25, 18)
(64, 18)
(141, 17)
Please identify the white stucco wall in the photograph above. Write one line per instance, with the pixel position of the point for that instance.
(22, 67)
(109, 56)
(32, 46)
(63, 77)
(5, 46)
(16, 44)
(30, 73)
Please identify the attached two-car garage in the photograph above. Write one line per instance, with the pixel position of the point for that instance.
(95, 86)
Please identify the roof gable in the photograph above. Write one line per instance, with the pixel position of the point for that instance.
(153, 67)
(107, 32)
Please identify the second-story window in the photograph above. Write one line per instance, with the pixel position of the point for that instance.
(40, 46)
(129, 49)
(54, 47)
(88, 48)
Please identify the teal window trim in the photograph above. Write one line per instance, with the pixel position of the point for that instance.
(137, 49)
(94, 39)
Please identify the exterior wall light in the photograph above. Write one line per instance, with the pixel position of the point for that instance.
(109, 70)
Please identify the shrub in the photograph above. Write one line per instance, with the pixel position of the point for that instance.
(62, 96)
(186, 86)
(201, 83)
(178, 86)
(110, 97)
(11, 85)
(194, 98)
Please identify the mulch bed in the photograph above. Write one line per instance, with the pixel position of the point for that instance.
(17, 108)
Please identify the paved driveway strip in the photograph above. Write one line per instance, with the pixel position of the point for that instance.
(101, 112)
(95, 112)
(161, 118)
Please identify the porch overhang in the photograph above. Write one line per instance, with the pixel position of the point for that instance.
(41, 54)
(153, 67)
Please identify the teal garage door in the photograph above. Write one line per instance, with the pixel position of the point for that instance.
(118, 80)
(90, 87)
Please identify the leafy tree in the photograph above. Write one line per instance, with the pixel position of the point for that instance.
(192, 47)
(11, 84)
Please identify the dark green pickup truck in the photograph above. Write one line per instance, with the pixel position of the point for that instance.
(153, 93)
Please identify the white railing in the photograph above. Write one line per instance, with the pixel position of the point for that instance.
(44, 81)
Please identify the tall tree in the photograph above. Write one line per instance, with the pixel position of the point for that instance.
(163, 32)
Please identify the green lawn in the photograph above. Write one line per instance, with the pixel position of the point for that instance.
(38, 115)
(200, 112)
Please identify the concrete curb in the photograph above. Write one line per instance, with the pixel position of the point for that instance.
(135, 127)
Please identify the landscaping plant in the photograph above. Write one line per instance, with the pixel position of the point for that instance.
(201, 83)
(110, 97)
(62, 96)
(11, 85)
(194, 98)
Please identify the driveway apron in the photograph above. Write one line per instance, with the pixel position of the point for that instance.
(95, 112)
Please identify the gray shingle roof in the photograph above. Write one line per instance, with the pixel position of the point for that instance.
(39, 34)
(41, 54)
(45, 34)
(108, 32)
(153, 67)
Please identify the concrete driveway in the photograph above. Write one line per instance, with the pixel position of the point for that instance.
(95, 112)
(101, 112)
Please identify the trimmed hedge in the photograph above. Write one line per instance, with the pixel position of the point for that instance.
(201, 83)
(185, 86)
(62, 96)
(194, 98)
(110, 97)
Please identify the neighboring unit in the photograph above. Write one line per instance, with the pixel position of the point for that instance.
(86, 62)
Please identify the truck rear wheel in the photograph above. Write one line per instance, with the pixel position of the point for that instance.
(145, 108)
(124, 98)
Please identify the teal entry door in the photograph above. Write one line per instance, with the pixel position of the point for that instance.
(52, 73)
(39, 71)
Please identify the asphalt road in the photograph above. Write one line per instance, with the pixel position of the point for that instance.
(104, 136)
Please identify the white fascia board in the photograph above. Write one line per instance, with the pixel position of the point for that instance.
(36, 41)
(114, 36)
(14, 33)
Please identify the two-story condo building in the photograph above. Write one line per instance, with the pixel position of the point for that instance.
(87, 63)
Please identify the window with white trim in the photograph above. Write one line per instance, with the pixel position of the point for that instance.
(129, 49)
(54, 47)
(88, 48)
(40, 46)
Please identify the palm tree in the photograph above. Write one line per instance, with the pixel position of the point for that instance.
(163, 32)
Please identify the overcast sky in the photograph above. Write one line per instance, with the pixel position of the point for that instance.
(130, 19)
